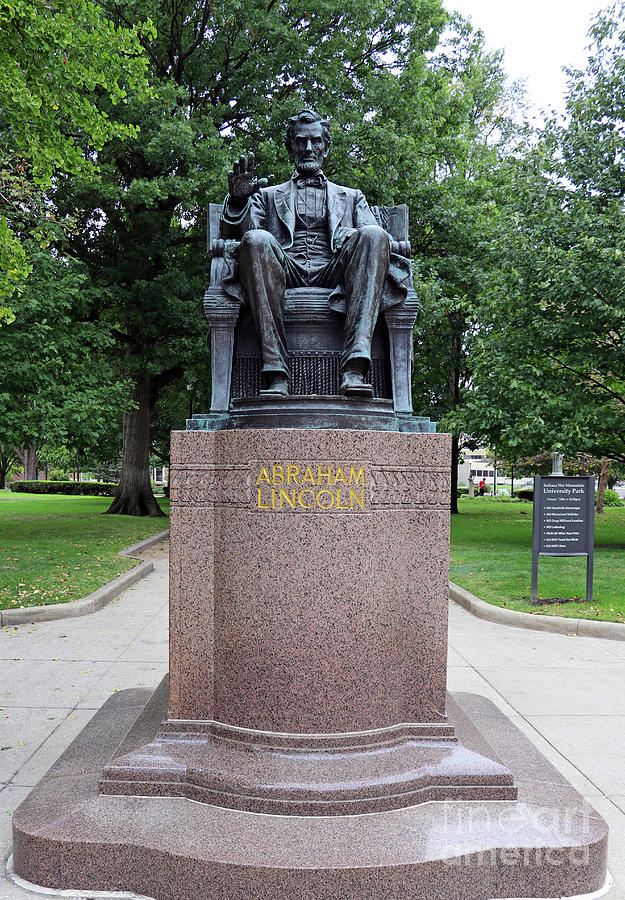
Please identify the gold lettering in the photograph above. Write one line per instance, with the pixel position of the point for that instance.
(261, 505)
(285, 496)
(353, 496)
(301, 502)
(338, 500)
(339, 476)
(291, 473)
(326, 498)
(358, 477)
(330, 494)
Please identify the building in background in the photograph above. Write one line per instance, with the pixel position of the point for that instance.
(479, 464)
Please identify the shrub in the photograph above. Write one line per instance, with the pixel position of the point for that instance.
(525, 494)
(57, 475)
(610, 498)
(91, 488)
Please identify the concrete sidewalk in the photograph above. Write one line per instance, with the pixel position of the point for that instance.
(56, 675)
(566, 693)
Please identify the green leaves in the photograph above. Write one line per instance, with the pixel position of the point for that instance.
(55, 61)
(553, 360)
(58, 385)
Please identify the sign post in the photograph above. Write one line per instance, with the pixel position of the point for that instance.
(564, 522)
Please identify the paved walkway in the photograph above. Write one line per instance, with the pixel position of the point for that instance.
(566, 693)
(56, 675)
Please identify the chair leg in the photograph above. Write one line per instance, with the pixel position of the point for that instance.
(222, 348)
(222, 315)
(400, 341)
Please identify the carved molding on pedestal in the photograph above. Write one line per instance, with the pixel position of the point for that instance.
(326, 486)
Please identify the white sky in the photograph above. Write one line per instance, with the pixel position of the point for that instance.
(539, 38)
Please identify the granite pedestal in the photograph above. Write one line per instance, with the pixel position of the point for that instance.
(304, 746)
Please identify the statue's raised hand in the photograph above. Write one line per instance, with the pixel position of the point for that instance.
(242, 182)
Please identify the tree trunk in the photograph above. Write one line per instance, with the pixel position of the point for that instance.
(603, 483)
(7, 459)
(29, 457)
(134, 495)
(455, 456)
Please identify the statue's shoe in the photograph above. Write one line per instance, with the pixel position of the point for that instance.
(353, 384)
(277, 387)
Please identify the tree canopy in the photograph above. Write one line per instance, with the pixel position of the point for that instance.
(225, 78)
(456, 214)
(57, 383)
(58, 58)
(549, 362)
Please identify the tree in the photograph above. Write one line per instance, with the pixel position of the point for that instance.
(456, 217)
(547, 369)
(56, 59)
(225, 78)
(8, 458)
(57, 382)
(541, 464)
(550, 369)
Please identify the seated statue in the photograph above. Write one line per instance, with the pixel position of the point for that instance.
(309, 232)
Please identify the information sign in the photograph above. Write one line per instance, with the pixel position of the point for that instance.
(564, 522)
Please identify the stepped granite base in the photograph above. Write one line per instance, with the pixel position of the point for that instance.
(305, 747)
(548, 843)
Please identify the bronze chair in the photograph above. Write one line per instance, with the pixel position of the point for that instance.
(314, 335)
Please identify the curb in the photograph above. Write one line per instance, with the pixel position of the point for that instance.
(93, 601)
(556, 624)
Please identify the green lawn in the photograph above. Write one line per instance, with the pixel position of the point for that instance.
(56, 548)
(491, 556)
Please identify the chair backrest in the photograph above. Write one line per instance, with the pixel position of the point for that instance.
(213, 215)
(393, 219)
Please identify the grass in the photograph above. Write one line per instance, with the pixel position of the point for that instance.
(491, 556)
(57, 548)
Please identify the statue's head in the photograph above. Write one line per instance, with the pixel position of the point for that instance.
(307, 141)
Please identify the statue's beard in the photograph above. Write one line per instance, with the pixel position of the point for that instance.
(308, 166)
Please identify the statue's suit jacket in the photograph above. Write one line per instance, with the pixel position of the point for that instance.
(273, 209)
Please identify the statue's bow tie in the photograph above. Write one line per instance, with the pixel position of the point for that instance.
(311, 181)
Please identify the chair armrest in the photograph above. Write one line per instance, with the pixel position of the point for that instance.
(218, 268)
(401, 248)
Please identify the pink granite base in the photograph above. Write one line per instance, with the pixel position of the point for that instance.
(307, 708)
(304, 775)
(305, 620)
(322, 651)
(67, 835)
